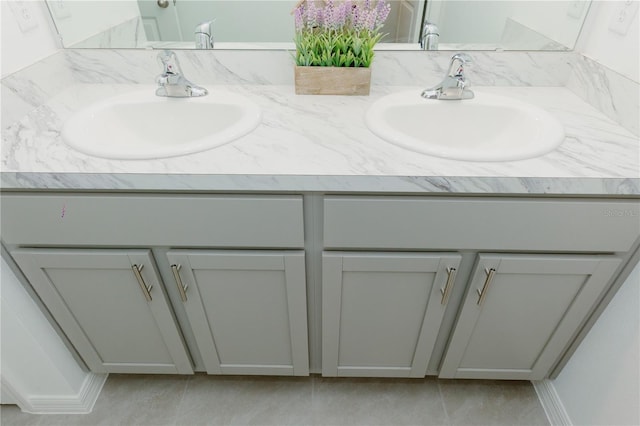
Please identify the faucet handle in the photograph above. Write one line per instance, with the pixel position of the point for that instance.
(457, 63)
(169, 62)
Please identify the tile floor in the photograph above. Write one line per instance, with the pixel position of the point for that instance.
(226, 400)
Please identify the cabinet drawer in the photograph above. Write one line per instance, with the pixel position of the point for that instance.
(480, 223)
(150, 220)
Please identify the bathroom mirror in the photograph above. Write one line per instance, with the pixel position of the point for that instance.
(265, 24)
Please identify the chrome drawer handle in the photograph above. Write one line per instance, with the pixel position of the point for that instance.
(451, 272)
(181, 288)
(145, 290)
(485, 288)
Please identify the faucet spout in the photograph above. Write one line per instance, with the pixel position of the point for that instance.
(430, 36)
(172, 82)
(455, 85)
(204, 35)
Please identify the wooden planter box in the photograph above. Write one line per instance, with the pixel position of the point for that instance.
(332, 81)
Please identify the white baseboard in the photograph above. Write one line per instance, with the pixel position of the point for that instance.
(82, 403)
(14, 396)
(551, 403)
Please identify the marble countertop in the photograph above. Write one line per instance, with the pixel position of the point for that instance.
(321, 143)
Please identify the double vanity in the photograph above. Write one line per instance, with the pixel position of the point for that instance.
(300, 240)
(448, 120)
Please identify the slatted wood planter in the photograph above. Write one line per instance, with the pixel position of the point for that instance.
(332, 81)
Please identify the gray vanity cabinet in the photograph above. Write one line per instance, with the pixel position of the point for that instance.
(512, 315)
(520, 312)
(381, 312)
(111, 306)
(247, 309)
(242, 272)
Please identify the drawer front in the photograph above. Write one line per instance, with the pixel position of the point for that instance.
(149, 220)
(480, 223)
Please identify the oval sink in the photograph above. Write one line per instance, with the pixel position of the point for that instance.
(488, 127)
(141, 125)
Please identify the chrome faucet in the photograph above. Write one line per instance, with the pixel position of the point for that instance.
(430, 36)
(454, 85)
(204, 35)
(172, 83)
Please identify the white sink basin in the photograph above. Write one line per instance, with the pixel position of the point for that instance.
(141, 125)
(487, 128)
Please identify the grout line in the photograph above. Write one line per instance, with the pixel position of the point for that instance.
(313, 391)
(444, 405)
(184, 392)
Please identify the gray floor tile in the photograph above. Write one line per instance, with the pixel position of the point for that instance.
(222, 400)
(131, 400)
(10, 415)
(483, 402)
(350, 401)
(234, 400)
(125, 400)
(139, 400)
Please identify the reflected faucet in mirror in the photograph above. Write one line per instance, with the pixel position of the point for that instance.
(455, 85)
(172, 82)
(204, 35)
(430, 36)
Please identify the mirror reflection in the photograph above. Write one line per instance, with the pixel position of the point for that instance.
(255, 24)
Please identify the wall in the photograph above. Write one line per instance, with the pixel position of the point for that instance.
(36, 368)
(80, 21)
(599, 385)
(615, 51)
(239, 21)
(21, 49)
(552, 19)
(26, 336)
(470, 21)
(483, 22)
(606, 75)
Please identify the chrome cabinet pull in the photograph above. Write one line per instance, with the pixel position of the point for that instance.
(485, 288)
(181, 288)
(451, 272)
(163, 3)
(145, 290)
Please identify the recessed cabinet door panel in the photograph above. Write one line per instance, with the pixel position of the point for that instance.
(520, 311)
(247, 309)
(381, 312)
(99, 302)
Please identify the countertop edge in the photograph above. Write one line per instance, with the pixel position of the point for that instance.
(419, 185)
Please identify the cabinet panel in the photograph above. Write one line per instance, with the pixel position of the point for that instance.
(480, 224)
(98, 301)
(247, 309)
(381, 312)
(520, 311)
(151, 220)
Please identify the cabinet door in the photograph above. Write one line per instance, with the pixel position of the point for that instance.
(381, 312)
(97, 297)
(248, 310)
(521, 311)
